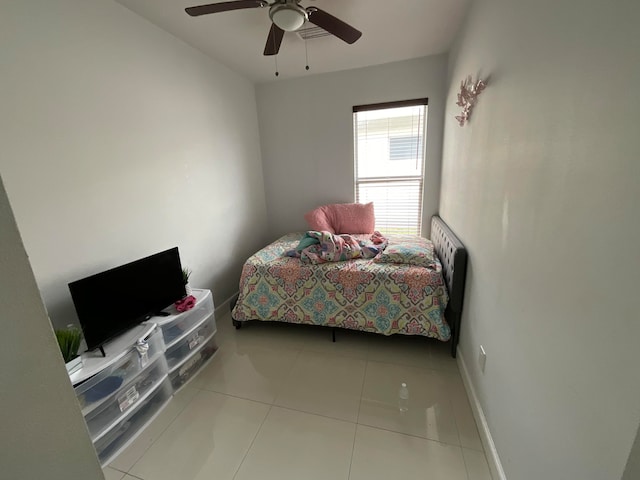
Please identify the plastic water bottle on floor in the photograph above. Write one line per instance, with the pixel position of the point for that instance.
(403, 398)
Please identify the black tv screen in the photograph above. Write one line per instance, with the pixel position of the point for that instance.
(113, 301)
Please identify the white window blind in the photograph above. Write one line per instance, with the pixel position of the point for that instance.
(389, 142)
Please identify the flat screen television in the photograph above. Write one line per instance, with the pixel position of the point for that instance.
(111, 302)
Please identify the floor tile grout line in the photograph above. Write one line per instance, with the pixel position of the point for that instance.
(357, 422)
(412, 435)
(304, 348)
(163, 430)
(151, 444)
(355, 433)
(450, 373)
(334, 354)
(252, 442)
(272, 403)
(125, 474)
(114, 468)
(464, 460)
(133, 476)
(238, 397)
(364, 378)
(455, 420)
(314, 414)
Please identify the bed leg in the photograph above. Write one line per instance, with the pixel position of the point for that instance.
(333, 335)
(237, 324)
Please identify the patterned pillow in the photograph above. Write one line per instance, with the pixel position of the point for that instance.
(419, 255)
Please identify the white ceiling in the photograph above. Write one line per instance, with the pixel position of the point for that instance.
(392, 30)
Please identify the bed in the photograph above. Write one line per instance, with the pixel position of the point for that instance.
(361, 294)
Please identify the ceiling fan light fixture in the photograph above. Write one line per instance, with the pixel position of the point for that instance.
(288, 16)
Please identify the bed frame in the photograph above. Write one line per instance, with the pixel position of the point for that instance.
(453, 256)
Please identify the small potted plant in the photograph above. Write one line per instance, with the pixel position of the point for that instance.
(186, 273)
(69, 342)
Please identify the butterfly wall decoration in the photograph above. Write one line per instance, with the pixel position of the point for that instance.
(468, 96)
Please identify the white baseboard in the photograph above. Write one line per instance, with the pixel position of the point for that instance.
(483, 427)
(223, 308)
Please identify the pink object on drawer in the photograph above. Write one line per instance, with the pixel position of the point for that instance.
(342, 218)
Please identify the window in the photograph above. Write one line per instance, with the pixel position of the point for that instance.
(404, 148)
(389, 141)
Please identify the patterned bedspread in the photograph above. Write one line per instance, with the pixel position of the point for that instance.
(357, 294)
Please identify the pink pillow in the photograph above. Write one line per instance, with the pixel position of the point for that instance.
(318, 220)
(343, 218)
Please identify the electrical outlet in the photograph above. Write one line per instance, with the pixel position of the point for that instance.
(482, 359)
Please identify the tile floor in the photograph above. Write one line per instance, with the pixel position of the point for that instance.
(284, 402)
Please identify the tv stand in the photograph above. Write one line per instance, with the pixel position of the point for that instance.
(189, 338)
(124, 389)
(122, 392)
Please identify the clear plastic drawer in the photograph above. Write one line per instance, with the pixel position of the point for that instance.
(93, 392)
(176, 326)
(193, 363)
(181, 351)
(128, 428)
(102, 419)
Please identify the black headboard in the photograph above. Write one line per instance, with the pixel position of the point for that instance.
(453, 257)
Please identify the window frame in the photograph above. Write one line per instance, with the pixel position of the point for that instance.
(422, 143)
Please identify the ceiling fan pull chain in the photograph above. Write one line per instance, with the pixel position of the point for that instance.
(306, 53)
(275, 48)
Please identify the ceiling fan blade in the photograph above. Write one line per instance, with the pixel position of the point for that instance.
(225, 7)
(274, 40)
(333, 25)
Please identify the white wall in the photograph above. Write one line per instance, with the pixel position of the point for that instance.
(118, 141)
(41, 419)
(306, 131)
(632, 470)
(542, 187)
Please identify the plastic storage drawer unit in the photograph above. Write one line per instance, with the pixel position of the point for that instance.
(138, 418)
(102, 418)
(181, 374)
(181, 351)
(93, 392)
(175, 326)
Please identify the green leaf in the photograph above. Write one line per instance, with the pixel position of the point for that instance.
(69, 342)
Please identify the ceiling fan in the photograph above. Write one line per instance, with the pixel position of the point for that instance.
(286, 15)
